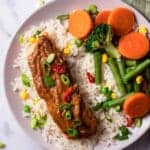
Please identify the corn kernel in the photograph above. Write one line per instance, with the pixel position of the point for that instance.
(104, 58)
(139, 79)
(35, 101)
(113, 95)
(67, 50)
(32, 40)
(143, 30)
(24, 95)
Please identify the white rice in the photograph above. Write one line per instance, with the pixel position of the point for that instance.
(79, 64)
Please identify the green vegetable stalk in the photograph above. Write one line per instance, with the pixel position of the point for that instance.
(112, 103)
(140, 68)
(101, 38)
(113, 66)
(98, 67)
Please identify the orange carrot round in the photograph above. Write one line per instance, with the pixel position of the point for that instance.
(122, 20)
(137, 105)
(134, 45)
(80, 23)
(102, 17)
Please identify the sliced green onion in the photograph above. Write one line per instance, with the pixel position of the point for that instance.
(65, 79)
(92, 9)
(104, 90)
(25, 80)
(50, 58)
(2, 145)
(78, 42)
(63, 17)
(72, 132)
(37, 34)
(68, 115)
(48, 81)
(34, 123)
(26, 109)
(77, 123)
(97, 106)
(138, 122)
(42, 121)
(65, 106)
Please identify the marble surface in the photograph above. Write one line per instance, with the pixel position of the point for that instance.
(12, 14)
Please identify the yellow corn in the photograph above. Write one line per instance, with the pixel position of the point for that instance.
(35, 101)
(113, 95)
(24, 95)
(139, 79)
(32, 40)
(67, 49)
(143, 30)
(104, 58)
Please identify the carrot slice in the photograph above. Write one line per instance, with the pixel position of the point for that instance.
(122, 20)
(80, 23)
(134, 45)
(102, 17)
(137, 105)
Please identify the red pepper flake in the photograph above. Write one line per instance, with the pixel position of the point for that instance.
(90, 77)
(67, 94)
(59, 68)
(130, 122)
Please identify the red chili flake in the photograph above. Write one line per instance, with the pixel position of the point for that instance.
(130, 122)
(68, 93)
(90, 77)
(144, 85)
(58, 68)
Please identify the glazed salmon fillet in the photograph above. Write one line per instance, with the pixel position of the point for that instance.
(54, 84)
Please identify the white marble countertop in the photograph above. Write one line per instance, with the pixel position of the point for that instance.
(12, 14)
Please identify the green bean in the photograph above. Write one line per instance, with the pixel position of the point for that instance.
(98, 67)
(147, 76)
(121, 67)
(130, 63)
(112, 103)
(140, 68)
(117, 76)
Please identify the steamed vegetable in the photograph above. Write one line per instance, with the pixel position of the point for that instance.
(102, 17)
(134, 45)
(92, 9)
(80, 23)
(25, 80)
(140, 68)
(137, 105)
(112, 103)
(123, 133)
(117, 76)
(122, 20)
(98, 67)
(101, 37)
(121, 67)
